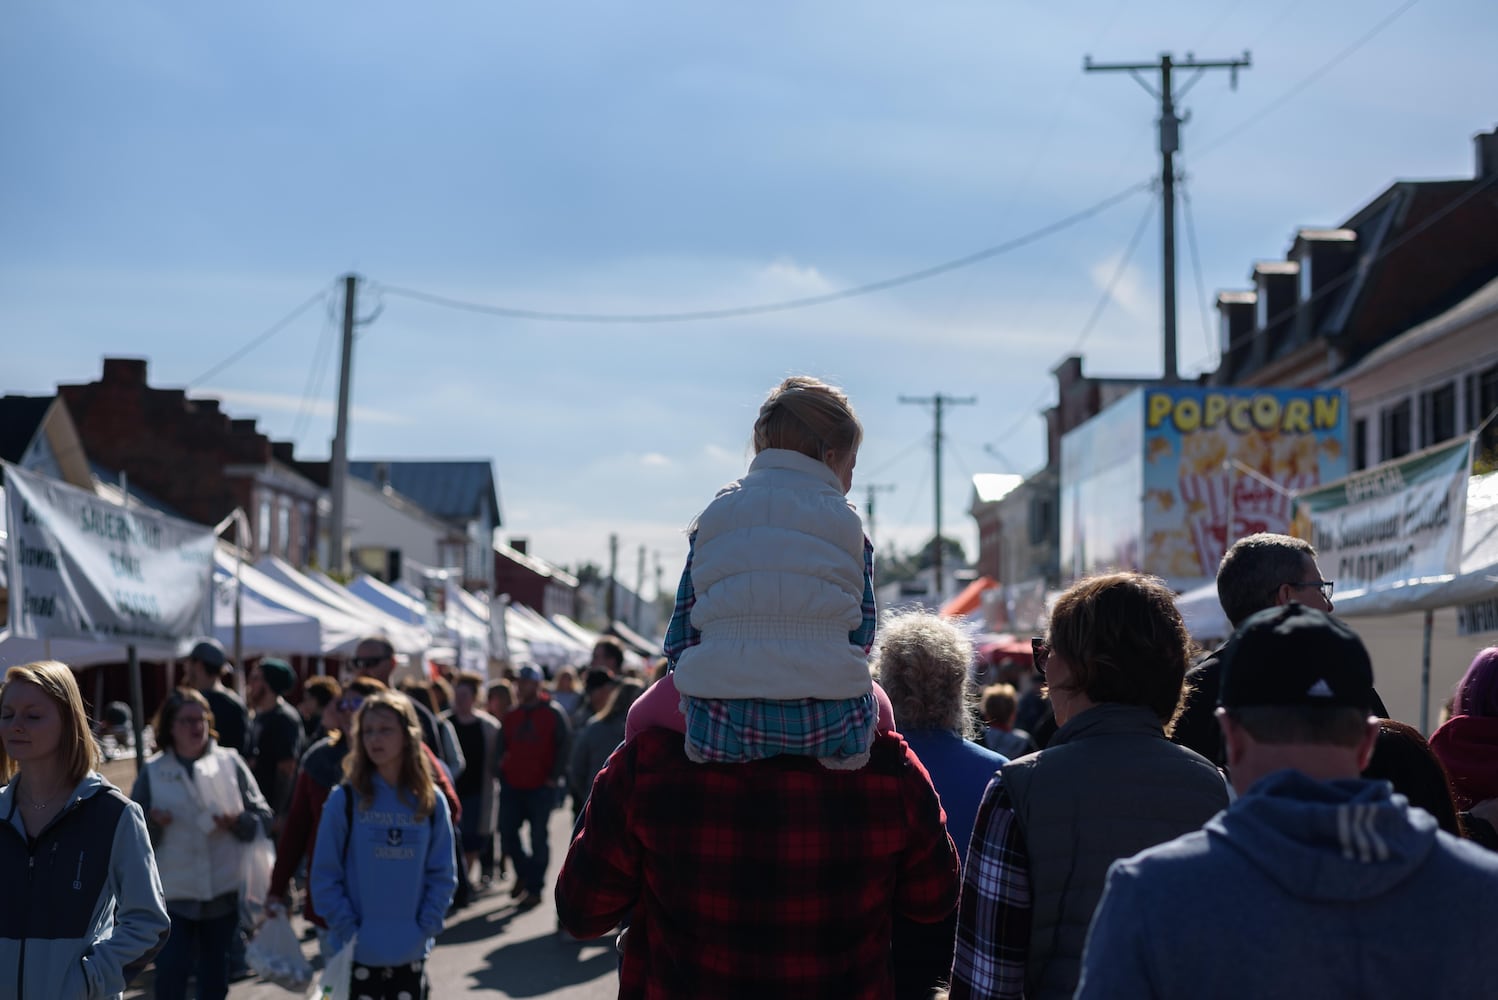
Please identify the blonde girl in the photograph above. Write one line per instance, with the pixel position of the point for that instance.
(83, 912)
(383, 871)
(775, 611)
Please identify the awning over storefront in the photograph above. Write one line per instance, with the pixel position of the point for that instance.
(970, 599)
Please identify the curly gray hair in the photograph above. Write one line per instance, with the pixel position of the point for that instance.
(924, 663)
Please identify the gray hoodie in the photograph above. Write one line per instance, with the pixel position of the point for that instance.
(82, 909)
(1300, 889)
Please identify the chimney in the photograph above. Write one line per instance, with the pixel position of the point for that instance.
(1278, 285)
(1235, 312)
(1325, 257)
(124, 371)
(1487, 154)
(520, 544)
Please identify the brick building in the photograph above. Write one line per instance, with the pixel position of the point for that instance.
(196, 458)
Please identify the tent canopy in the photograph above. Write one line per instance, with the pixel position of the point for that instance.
(403, 637)
(970, 599)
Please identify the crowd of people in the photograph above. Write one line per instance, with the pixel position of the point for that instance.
(804, 800)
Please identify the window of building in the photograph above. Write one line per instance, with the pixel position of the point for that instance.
(283, 528)
(1394, 432)
(1360, 444)
(1041, 514)
(1487, 402)
(262, 526)
(1438, 414)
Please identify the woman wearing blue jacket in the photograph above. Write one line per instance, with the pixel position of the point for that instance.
(83, 911)
(383, 871)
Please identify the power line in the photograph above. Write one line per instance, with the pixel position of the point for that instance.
(261, 338)
(1309, 79)
(1196, 267)
(1118, 273)
(315, 373)
(772, 307)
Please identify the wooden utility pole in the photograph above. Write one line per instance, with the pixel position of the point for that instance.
(338, 473)
(608, 595)
(1170, 144)
(939, 401)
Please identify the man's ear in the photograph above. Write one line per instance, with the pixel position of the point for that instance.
(1368, 742)
(1233, 736)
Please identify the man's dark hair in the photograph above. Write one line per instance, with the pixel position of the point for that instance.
(387, 649)
(613, 649)
(1253, 569)
(1124, 640)
(322, 689)
(1318, 725)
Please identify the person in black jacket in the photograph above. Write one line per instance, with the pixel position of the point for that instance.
(1259, 571)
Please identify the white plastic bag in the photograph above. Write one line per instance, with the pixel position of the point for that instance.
(275, 954)
(255, 863)
(333, 983)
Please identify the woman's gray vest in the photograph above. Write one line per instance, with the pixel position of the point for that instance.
(1108, 786)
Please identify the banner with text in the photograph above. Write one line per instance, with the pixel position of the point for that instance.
(1395, 522)
(84, 568)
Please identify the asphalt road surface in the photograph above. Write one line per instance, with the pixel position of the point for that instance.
(490, 950)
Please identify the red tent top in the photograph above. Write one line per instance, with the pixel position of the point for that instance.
(967, 602)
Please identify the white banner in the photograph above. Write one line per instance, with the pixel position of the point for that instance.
(1395, 523)
(84, 568)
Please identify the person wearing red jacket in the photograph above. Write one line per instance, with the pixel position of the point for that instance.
(532, 753)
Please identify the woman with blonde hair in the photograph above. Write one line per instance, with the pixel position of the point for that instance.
(384, 871)
(83, 912)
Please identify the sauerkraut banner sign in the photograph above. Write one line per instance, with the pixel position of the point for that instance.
(84, 568)
(1396, 522)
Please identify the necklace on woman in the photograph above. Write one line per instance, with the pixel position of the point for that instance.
(37, 805)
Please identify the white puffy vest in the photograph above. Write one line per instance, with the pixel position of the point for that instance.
(196, 859)
(777, 570)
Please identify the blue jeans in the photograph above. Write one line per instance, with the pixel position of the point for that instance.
(196, 945)
(517, 807)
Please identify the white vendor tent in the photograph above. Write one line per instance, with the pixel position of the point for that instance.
(340, 631)
(388, 599)
(403, 637)
(264, 629)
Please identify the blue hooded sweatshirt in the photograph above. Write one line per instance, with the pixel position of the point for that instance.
(1301, 888)
(386, 883)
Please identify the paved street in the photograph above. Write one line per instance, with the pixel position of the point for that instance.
(489, 950)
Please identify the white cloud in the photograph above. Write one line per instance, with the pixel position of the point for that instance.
(286, 403)
(655, 460)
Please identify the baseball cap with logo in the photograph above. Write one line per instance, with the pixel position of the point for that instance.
(1295, 655)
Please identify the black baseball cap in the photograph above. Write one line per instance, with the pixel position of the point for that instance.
(1295, 655)
(210, 652)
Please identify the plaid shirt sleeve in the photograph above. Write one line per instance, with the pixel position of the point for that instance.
(929, 876)
(600, 879)
(993, 917)
(864, 635)
(680, 635)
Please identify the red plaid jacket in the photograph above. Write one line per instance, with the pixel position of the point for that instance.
(777, 878)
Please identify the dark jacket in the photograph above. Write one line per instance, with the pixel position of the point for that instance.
(1108, 785)
(81, 910)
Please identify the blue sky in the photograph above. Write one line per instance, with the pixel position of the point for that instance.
(177, 177)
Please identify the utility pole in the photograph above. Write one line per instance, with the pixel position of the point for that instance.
(608, 595)
(337, 540)
(868, 508)
(639, 589)
(1170, 144)
(939, 401)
